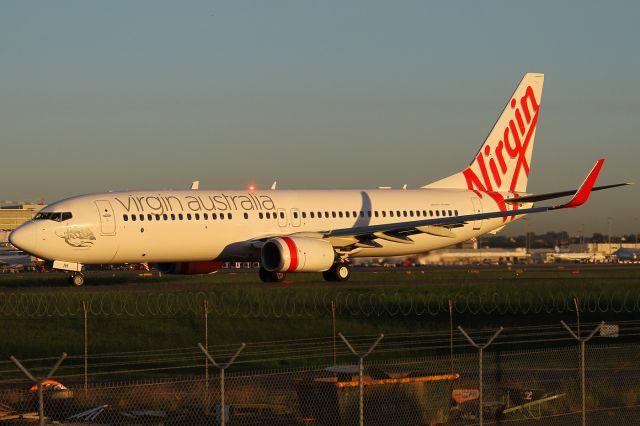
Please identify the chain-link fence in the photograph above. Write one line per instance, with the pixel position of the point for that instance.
(532, 385)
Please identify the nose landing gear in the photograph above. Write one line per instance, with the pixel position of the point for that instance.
(76, 279)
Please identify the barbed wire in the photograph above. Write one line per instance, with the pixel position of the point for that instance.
(308, 304)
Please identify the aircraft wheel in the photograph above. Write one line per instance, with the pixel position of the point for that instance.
(337, 272)
(343, 272)
(77, 280)
(271, 277)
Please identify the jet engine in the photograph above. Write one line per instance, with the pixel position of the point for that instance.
(297, 254)
(190, 268)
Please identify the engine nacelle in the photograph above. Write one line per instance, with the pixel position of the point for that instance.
(190, 268)
(297, 254)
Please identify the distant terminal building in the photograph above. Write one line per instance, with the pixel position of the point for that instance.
(14, 215)
(474, 256)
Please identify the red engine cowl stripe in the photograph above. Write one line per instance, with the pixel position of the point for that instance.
(293, 252)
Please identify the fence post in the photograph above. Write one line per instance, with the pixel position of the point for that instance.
(583, 341)
(361, 358)
(39, 382)
(481, 349)
(221, 368)
(85, 309)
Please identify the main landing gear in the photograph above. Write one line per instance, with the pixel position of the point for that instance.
(338, 272)
(76, 279)
(271, 277)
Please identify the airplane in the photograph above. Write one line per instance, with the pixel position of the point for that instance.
(627, 254)
(195, 231)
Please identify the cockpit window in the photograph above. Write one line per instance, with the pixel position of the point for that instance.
(55, 216)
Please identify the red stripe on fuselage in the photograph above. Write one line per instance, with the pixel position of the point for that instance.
(293, 252)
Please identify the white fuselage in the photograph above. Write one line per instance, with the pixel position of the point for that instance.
(200, 225)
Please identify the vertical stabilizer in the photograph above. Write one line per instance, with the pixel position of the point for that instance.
(502, 163)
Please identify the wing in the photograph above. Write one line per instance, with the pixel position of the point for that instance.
(400, 231)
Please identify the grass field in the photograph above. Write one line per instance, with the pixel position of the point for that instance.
(41, 315)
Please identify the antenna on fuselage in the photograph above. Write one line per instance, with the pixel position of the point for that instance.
(275, 183)
(195, 184)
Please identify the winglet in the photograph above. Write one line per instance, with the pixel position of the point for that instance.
(582, 194)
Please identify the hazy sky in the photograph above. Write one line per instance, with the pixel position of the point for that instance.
(320, 94)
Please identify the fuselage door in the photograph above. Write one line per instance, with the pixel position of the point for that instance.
(477, 209)
(282, 218)
(295, 217)
(107, 219)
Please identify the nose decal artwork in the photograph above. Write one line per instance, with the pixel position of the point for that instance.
(77, 236)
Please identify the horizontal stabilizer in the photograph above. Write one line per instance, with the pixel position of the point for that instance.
(398, 231)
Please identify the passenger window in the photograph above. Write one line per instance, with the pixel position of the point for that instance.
(304, 215)
(355, 214)
(391, 213)
(444, 213)
(214, 216)
(311, 214)
(411, 213)
(418, 213)
(229, 216)
(158, 217)
(375, 213)
(340, 214)
(133, 217)
(188, 216)
(125, 217)
(295, 215)
(333, 214)
(180, 217)
(197, 216)
(368, 213)
(450, 213)
(424, 213)
(206, 216)
(173, 216)
(164, 216)
(384, 213)
(246, 215)
(404, 213)
(431, 213)
(456, 212)
(438, 213)
(326, 214)
(361, 213)
(260, 215)
(221, 216)
(281, 215)
(141, 217)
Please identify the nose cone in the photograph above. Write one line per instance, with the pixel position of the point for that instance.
(24, 237)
